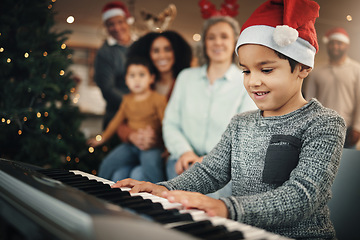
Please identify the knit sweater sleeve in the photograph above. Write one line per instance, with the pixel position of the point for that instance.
(308, 189)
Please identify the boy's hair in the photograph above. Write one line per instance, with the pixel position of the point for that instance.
(291, 61)
(139, 60)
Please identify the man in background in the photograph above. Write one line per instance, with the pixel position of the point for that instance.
(111, 57)
(337, 84)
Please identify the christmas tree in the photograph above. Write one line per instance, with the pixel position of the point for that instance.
(38, 122)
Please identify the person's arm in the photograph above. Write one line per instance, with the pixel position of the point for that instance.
(111, 127)
(308, 188)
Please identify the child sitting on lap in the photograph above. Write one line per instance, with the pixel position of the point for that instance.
(140, 109)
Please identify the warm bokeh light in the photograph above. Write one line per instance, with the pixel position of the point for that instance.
(349, 18)
(91, 149)
(98, 138)
(196, 37)
(26, 55)
(70, 19)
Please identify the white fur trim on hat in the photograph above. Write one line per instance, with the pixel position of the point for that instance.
(337, 36)
(300, 50)
(285, 35)
(112, 13)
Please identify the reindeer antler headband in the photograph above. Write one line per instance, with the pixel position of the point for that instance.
(228, 8)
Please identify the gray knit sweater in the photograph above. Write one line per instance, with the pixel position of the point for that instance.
(282, 169)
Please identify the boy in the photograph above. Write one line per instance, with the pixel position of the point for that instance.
(141, 108)
(282, 158)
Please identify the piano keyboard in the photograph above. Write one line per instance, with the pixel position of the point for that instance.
(60, 204)
(243, 231)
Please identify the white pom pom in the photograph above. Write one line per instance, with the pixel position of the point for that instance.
(285, 35)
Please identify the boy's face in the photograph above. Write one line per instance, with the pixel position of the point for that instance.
(139, 79)
(269, 81)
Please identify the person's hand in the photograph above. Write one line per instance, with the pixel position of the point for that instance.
(140, 186)
(94, 143)
(213, 207)
(143, 139)
(136, 139)
(185, 161)
(149, 138)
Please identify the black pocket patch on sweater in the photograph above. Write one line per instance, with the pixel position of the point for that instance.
(282, 157)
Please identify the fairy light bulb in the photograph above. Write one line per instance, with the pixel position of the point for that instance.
(98, 138)
(91, 149)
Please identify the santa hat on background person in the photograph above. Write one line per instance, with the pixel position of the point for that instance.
(116, 8)
(286, 26)
(337, 33)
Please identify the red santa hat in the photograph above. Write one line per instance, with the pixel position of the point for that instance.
(337, 33)
(116, 8)
(286, 26)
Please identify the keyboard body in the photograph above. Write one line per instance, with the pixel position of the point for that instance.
(37, 203)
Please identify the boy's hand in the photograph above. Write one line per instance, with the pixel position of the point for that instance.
(140, 186)
(185, 161)
(213, 207)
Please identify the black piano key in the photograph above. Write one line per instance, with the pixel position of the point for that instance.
(70, 181)
(65, 177)
(209, 231)
(164, 219)
(91, 182)
(194, 225)
(160, 212)
(104, 190)
(110, 194)
(138, 207)
(50, 171)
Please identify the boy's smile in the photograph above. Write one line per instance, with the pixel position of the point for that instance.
(269, 81)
